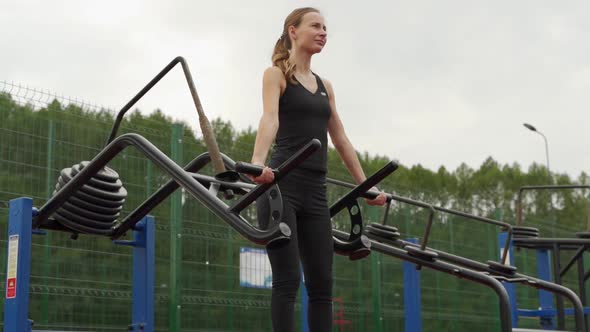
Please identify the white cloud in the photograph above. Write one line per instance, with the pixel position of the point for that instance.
(425, 82)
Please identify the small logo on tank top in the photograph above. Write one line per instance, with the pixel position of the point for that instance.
(323, 94)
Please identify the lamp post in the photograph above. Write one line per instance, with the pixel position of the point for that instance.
(532, 128)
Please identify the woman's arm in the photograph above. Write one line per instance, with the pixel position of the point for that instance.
(341, 141)
(272, 85)
(344, 147)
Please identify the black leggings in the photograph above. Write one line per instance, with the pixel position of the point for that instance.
(306, 212)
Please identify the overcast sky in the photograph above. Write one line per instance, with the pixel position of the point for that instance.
(424, 82)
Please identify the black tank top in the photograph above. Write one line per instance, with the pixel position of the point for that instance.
(303, 115)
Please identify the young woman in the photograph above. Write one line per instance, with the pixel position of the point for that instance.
(298, 106)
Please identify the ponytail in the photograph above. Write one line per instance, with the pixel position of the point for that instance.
(280, 57)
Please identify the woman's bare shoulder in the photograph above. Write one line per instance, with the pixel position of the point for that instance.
(274, 72)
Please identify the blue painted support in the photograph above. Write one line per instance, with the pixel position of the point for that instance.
(304, 304)
(510, 288)
(545, 298)
(143, 275)
(16, 303)
(18, 272)
(412, 296)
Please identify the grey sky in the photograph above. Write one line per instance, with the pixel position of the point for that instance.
(429, 82)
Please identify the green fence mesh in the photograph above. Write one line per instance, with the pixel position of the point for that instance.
(85, 284)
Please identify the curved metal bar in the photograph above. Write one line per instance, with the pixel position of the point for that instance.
(372, 194)
(361, 189)
(137, 97)
(355, 240)
(457, 271)
(263, 237)
(515, 277)
(208, 136)
(164, 192)
(280, 172)
(356, 249)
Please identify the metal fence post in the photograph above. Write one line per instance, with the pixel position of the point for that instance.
(176, 238)
(49, 185)
(373, 215)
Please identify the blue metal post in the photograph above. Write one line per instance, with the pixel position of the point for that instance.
(545, 298)
(18, 272)
(412, 305)
(304, 304)
(143, 275)
(510, 288)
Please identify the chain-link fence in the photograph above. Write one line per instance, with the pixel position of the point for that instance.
(85, 284)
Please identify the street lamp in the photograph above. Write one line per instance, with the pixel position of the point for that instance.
(532, 128)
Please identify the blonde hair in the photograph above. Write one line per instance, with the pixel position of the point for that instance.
(280, 55)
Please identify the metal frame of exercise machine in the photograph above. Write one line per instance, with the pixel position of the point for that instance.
(499, 271)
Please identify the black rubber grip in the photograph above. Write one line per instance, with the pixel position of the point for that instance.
(247, 168)
(361, 189)
(281, 171)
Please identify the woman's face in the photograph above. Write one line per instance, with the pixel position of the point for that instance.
(311, 34)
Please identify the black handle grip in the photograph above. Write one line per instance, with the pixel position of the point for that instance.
(247, 168)
(287, 166)
(297, 158)
(361, 189)
(281, 171)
